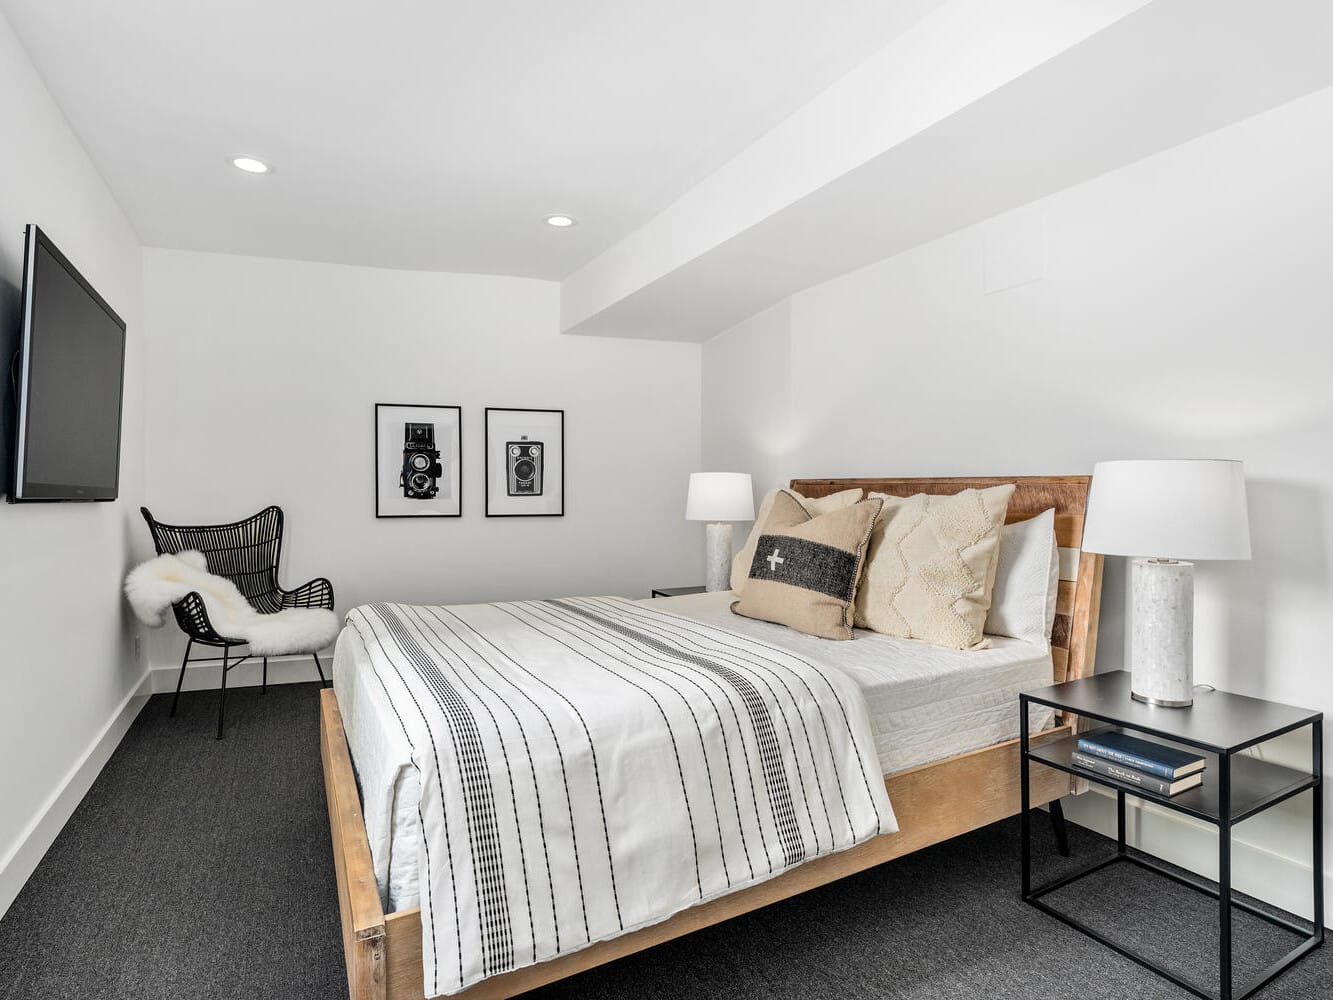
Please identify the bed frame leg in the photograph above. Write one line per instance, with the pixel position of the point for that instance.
(1060, 827)
(369, 968)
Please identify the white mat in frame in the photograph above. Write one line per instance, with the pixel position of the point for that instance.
(525, 462)
(418, 460)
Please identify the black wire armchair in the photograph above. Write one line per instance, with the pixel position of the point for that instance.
(247, 553)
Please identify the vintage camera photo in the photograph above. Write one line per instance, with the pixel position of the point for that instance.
(420, 478)
(524, 460)
(418, 460)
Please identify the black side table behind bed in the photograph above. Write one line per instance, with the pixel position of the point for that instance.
(677, 591)
(1235, 787)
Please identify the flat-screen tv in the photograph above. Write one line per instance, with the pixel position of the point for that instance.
(69, 375)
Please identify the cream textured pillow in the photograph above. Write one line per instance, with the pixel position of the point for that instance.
(1026, 580)
(740, 565)
(931, 566)
(805, 572)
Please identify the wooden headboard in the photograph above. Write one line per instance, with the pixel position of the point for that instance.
(1074, 637)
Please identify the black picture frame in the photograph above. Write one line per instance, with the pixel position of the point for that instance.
(559, 416)
(377, 479)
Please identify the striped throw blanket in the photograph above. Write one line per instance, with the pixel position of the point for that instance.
(592, 766)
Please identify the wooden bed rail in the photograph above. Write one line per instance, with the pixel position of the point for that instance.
(365, 937)
(384, 953)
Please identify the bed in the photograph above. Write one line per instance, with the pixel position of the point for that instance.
(925, 704)
(943, 725)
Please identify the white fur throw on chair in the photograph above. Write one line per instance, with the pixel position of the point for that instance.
(154, 586)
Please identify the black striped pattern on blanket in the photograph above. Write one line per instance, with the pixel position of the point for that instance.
(591, 766)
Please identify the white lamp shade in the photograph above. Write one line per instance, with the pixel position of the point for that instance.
(1168, 509)
(720, 496)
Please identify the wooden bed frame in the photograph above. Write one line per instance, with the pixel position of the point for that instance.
(933, 802)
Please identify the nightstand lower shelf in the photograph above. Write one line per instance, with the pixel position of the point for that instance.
(1312, 937)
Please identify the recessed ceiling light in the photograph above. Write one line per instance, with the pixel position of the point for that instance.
(250, 165)
(561, 221)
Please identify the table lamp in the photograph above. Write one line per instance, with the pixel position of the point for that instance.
(718, 497)
(1164, 512)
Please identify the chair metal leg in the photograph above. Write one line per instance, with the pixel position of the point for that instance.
(181, 679)
(222, 699)
(263, 688)
(320, 668)
(1060, 827)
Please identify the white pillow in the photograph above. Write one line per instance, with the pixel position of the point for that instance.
(1026, 580)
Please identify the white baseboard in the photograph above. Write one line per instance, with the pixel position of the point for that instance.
(207, 676)
(1192, 844)
(17, 866)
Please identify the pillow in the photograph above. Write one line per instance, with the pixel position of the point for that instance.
(805, 569)
(931, 566)
(740, 565)
(1026, 580)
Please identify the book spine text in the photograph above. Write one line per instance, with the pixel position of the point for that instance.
(1110, 769)
(1127, 759)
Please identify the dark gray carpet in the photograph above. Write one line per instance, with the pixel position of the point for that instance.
(202, 869)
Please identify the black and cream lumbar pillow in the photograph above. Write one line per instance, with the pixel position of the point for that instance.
(740, 566)
(805, 568)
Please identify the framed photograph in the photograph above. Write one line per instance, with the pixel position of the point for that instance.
(525, 463)
(418, 460)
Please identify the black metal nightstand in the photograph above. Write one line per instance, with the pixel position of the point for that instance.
(1235, 787)
(677, 591)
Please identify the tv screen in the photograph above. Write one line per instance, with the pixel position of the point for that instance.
(70, 378)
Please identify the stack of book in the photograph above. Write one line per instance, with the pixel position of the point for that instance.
(1153, 767)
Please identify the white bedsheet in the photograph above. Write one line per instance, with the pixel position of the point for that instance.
(925, 704)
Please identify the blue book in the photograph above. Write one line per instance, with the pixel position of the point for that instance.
(1133, 776)
(1145, 755)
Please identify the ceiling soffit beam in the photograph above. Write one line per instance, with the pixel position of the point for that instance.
(1159, 76)
(955, 55)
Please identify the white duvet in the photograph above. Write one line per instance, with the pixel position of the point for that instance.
(925, 703)
(591, 766)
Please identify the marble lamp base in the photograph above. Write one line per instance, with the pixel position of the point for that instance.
(1161, 658)
(717, 555)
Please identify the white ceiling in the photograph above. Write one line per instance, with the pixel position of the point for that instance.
(431, 135)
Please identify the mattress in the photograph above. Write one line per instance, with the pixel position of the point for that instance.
(386, 777)
(925, 703)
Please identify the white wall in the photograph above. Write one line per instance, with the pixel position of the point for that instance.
(262, 382)
(69, 672)
(1179, 307)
